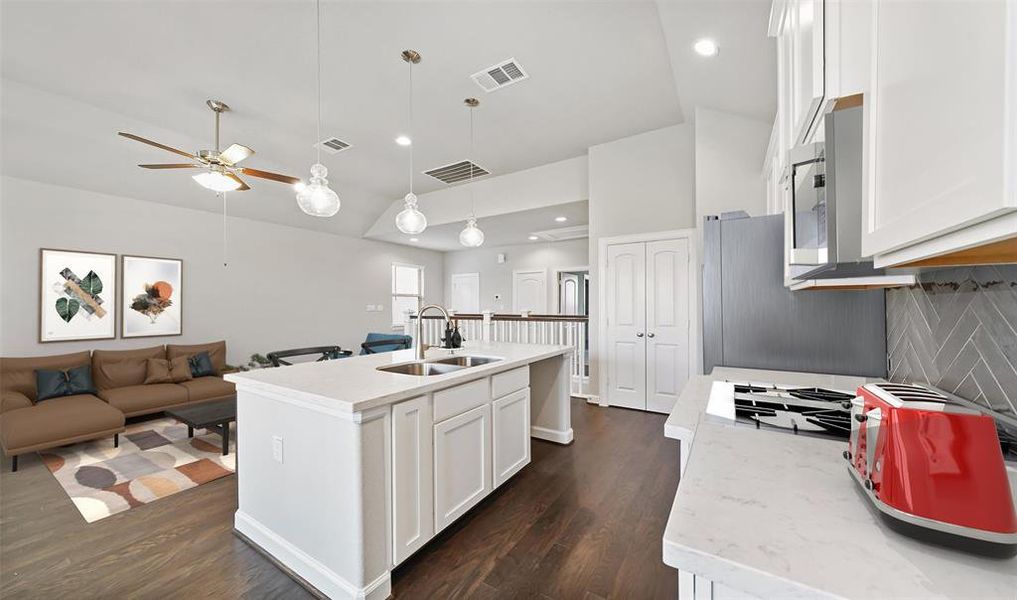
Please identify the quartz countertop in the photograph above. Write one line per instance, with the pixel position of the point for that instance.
(355, 384)
(773, 514)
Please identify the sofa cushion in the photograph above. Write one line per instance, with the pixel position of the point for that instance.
(208, 388)
(120, 368)
(201, 365)
(53, 383)
(143, 399)
(12, 401)
(57, 422)
(216, 351)
(18, 374)
(157, 370)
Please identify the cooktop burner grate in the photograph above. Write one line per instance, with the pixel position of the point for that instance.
(810, 410)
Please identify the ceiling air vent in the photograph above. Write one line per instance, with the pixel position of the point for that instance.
(561, 234)
(500, 75)
(456, 172)
(332, 145)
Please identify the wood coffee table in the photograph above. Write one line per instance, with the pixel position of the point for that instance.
(216, 415)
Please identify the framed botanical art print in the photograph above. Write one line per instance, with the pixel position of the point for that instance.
(77, 295)
(153, 296)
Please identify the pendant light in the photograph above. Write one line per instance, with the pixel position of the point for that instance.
(316, 198)
(471, 236)
(411, 221)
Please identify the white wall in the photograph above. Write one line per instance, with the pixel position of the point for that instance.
(496, 279)
(730, 151)
(638, 184)
(284, 287)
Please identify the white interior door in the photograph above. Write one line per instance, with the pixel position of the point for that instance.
(625, 289)
(466, 292)
(667, 322)
(568, 302)
(529, 291)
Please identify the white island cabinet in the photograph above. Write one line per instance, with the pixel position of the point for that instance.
(345, 470)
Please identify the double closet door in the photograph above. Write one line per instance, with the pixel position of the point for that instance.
(648, 312)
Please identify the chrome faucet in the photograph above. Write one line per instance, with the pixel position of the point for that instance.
(417, 345)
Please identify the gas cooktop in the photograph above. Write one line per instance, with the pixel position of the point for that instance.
(811, 410)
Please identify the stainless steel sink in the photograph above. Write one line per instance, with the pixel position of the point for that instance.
(421, 369)
(468, 361)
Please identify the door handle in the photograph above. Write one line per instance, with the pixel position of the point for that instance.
(639, 335)
(650, 335)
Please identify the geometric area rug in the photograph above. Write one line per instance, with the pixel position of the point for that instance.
(155, 459)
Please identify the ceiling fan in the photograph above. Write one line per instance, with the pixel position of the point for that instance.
(220, 167)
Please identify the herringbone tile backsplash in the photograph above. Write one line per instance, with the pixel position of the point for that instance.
(958, 331)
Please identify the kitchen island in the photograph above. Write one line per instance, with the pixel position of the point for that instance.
(347, 467)
(764, 514)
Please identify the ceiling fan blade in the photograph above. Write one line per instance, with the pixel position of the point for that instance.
(270, 175)
(171, 166)
(136, 138)
(234, 154)
(243, 186)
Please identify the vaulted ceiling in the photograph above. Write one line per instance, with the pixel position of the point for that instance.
(75, 73)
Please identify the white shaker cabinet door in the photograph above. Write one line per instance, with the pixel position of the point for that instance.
(462, 464)
(940, 155)
(412, 477)
(511, 423)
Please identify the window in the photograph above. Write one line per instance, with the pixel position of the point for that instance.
(407, 291)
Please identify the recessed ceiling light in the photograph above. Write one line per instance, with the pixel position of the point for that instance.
(561, 219)
(403, 140)
(534, 238)
(414, 240)
(706, 47)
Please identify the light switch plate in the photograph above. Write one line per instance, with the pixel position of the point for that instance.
(277, 448)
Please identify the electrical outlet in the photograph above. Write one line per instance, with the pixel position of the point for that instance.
(277, 448)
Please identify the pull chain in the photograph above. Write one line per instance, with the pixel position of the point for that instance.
(224, 240)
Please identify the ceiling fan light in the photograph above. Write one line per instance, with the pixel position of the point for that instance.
(411, 220)
(471, 236)
(316, 198)
(216, 181)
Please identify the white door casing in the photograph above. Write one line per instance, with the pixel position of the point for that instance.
(529, 291)
(668, 364)
(466, 292)
(625, 287)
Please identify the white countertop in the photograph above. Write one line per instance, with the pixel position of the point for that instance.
(777, 515)
(355, 384)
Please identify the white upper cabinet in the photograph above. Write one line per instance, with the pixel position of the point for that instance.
(941, 129)
(823, 54)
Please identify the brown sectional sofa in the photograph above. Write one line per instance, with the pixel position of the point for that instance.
(119, 375)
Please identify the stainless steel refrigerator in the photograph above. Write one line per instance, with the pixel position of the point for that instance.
(751, 320)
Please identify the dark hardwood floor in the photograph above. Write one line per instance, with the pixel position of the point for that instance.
(581, 521)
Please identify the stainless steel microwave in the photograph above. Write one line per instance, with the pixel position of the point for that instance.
(824, 218)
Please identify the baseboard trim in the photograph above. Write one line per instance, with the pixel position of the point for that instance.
(304, 569)
(552, 435)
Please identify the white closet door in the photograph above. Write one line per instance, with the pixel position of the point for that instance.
(529, 291)
(568, 302)
(626, 317)
(667, 322)
(466, 292)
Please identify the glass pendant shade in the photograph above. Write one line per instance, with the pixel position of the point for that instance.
(216, 181)
(411, 220)
(316, 198)
(471, 236)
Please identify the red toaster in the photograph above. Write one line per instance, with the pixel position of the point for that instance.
(933, 467)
